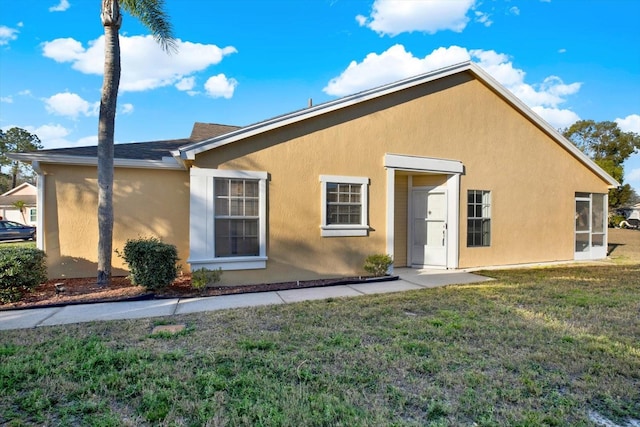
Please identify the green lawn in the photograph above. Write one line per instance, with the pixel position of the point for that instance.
(545, 346)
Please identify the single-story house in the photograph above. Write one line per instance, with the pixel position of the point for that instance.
(20, 204)
(447, 170)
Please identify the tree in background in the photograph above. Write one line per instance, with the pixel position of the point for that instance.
(609, 146)
(16, 140)
(151, 14)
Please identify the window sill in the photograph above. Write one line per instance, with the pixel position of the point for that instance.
(344, 231)
(230, 263)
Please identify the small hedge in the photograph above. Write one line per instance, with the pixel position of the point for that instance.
(378, 264)
(21, 270)
(152, 263)
(203, 278)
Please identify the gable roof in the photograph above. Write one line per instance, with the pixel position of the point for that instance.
(207, 136)
(189, 152)
(25, 189)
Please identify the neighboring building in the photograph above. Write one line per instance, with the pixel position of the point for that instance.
(20, 204)
(444, 170)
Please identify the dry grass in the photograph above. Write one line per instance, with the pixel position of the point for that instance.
(545, 346)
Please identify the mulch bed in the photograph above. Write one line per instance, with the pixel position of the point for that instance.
(85, 290)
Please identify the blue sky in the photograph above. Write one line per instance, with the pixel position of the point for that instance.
(244, 61)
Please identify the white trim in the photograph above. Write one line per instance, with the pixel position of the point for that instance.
(345, 230)
(166, 162)
(40, 198)
(453, 169)
(229, 264)
(593, 252)
(202, 221)
(417, 163)
(453, 221)
(391, 215)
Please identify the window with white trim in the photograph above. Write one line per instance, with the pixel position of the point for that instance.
(478, 218)
(33, 215)
(237, 217)
(344, 206)
(228, 212)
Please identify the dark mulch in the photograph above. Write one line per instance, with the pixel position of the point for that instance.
(85, 290)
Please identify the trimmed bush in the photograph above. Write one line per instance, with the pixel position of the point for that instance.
(152, 263)
(21, 270)
(377, 264)
(203, 278)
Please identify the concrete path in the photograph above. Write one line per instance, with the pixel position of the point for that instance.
(410, 279)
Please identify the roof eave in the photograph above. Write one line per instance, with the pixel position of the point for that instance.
(166, 163)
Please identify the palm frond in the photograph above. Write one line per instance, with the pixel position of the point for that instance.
(152, 15)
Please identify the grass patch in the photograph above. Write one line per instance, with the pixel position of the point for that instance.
(542, 346)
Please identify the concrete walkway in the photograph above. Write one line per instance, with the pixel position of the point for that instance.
(410, 279)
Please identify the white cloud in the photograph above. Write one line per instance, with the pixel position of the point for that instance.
(56, 136)
(514, 10)
(51, 135)
(126, 108)
(145, 65)
(631, 123)
(396, 63)
(559, 119)
(393, 64)
(220, 86)
(60, 7)
(392, 17)
(7, 34)
(64, 50)
(483, 18)
(6, 99)
(70, 105)
(186, 84)
(562, 50)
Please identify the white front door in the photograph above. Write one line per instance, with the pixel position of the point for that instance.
(429, 228)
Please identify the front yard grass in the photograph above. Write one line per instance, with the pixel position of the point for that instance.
(545, 346)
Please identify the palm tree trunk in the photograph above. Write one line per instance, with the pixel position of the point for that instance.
(111, 21)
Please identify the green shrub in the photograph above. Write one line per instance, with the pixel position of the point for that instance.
(615, 220)
(21, 270)
(378, 264)
(152, 263)
(203, 278)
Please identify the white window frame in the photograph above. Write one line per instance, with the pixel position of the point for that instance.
(202, 221)
(484, 204)
(33, 212)
(345, 230)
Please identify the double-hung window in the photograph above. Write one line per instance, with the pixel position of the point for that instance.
(228, 219)
(344, 206)
(478, 218)
(237, 217)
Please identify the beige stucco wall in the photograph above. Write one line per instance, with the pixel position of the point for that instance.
(146, 203)
(531, 177)
(532, 181)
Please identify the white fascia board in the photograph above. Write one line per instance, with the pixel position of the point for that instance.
(416, 163)
(189, 152)
(166, 163)
(534, 117)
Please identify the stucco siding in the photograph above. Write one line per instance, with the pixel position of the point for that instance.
(532, 179)
(146, 203)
